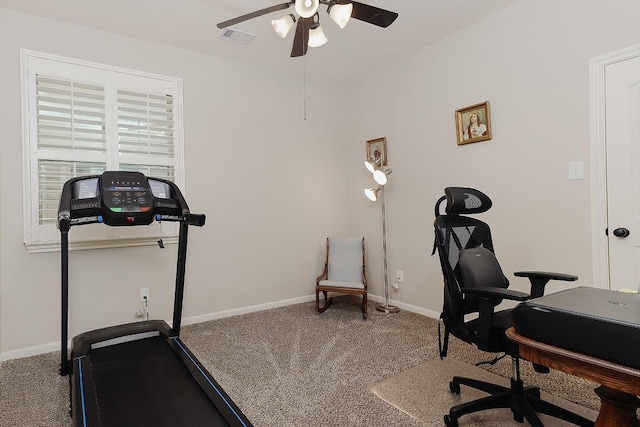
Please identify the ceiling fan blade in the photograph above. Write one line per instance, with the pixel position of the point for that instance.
(301, 39)
(373, 15)
(255, 14)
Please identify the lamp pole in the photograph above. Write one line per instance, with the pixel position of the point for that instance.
(386, 307)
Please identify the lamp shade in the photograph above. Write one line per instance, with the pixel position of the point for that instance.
(340, 13)
(372, 193)
(307, 8)
(283, 25)
(371, 166)
(381, 177)
(316, 36)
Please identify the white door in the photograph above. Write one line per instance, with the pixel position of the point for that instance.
(622, 136)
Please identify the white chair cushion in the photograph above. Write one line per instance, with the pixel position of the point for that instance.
(334, 283)
(345, 259)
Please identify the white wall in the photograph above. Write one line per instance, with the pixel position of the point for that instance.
(249, 169)
(531, 61)
(264, 237)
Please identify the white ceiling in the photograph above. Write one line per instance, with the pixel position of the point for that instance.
(191, 25)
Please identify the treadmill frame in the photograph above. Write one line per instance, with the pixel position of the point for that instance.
(86, 410)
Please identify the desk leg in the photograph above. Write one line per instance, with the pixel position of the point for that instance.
(617, 408)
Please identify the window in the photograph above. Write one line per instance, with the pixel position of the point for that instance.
(82, 119)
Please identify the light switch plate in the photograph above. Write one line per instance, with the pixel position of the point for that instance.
(576, 170)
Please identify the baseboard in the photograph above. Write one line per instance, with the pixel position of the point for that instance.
(405, 306)
(55, 346)
(30, 351)
(245, 310)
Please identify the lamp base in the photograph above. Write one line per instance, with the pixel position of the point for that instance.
(387, 308)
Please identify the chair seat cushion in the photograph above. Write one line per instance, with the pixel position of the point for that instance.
(339, 284)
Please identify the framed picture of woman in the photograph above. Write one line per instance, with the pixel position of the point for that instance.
(377, 148)
(473, 123)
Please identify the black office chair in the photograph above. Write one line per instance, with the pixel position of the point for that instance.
(474, 283)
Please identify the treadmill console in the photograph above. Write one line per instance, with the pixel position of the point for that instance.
(120, 198)
(126, 198)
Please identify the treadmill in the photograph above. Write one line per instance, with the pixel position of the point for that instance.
(141, 373)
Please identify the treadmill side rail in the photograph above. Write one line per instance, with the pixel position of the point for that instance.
(229, 410)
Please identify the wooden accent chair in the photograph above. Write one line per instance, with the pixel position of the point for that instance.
(343, 271)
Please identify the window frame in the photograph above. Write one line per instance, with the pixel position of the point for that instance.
(45, 238)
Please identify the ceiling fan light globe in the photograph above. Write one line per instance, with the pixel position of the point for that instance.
(316, 37)
(340, 13)
(283, 25)
(307, 8)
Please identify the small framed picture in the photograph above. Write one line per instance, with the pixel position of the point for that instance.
(473, 123)
(376, 149)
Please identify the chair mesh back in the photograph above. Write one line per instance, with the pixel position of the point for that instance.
(463, 235)
(454, 232)
(462, 200)
(345, 259)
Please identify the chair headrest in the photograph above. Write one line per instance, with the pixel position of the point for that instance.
(461, 200)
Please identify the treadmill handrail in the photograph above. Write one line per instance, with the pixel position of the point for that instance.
(191, 219)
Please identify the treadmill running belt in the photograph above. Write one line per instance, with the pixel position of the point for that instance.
(148, 374)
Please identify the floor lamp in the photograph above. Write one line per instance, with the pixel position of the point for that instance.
(381, 177)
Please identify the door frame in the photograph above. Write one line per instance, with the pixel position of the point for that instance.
(598, 148)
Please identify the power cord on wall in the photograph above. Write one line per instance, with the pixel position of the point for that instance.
(144, 311)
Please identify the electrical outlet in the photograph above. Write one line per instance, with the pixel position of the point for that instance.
(399, 276)
(144, 294)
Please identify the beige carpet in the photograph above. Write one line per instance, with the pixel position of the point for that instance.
(422, 391)
(293, 367)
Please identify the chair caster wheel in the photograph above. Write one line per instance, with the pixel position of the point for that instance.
(454, 388)
(449, 422)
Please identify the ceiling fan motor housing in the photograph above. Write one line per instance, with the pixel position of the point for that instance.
(307, 8)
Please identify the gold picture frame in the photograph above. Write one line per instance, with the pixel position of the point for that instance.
(377, 148)
(473, 123)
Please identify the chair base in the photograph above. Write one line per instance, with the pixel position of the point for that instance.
(523, 402)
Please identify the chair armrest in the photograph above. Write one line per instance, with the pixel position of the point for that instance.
(539, 280)
(488, 299)
(324, 274)
(497, 293)
(548, 275)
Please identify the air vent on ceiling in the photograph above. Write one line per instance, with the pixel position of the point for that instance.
(236, 36)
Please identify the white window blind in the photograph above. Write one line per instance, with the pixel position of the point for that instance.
(71, 124)
(82, 119)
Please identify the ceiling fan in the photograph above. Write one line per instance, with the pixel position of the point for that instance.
(308, 30)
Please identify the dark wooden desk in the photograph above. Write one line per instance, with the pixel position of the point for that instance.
(619, 385)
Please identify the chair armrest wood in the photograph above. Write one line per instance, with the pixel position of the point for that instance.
(539, 280)
(323, 276)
